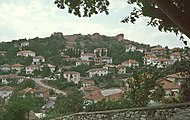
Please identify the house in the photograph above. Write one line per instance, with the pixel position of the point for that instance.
(26, 53)
(176, 56)
(37, 60)
(121, 69)
(82, 62)
(131, 63)
(5, 79)
(72, 76)
(178, 78)
(51, 67)
(159, 51)
(131, 48)
(141, 50)
(97, 72)
(107, 94)
(88, 56)
(89, 89)
(100, 52)
(103, 60)
(163, 62)
(3, 53)
(150, 59)
(66, 57)
(24, 44)
(148, 54)
(6, 91)
(88, 83)
(30, 69)
(41, 92)
(17, 67)
(171, 88)
(5, 67)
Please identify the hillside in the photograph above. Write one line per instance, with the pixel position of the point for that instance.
(51, 47)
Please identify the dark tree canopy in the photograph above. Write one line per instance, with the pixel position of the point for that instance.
(167, 15)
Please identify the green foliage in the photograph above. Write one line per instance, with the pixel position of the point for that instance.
(72, 103)
(88, 7)
(144, 86)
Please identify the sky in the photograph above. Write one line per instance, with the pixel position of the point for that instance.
(40, 18)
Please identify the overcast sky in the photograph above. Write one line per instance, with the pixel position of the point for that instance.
(40, 18)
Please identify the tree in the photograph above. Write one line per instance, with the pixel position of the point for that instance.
(72, 103)
(167, 15)
(144, 86)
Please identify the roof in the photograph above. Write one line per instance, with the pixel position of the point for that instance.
(71, 72)
(177, 75)
(88, 82)
(163, 59)
(100, 49)
(27, 90)
(11, 76)
(38, 57)
(51, 66)
(6, 88)
(94, 95)
(150, 56)
(168, 85)
(41, 90)
(91, 88)
(158, 48)
(5, 65)
(3, 52)
(130, 62)
(121, 66)
(88, 54)
(109, 92)
(97, 69)
(176, 54)
(33, 66)
(148, 53)
(26, 51)
(17, 65)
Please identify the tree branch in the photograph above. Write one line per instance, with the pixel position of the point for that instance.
(174, 14)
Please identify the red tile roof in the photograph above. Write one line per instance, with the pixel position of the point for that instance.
(6, 88)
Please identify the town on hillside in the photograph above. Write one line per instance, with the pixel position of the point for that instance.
(64, 74)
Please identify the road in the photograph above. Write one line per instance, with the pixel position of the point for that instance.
(39, 82)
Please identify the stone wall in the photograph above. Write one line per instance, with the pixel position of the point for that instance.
(145, 113)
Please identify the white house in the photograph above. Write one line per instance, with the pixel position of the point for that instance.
(103, 60)
(176, 56)
(24, 44)
(178, 78)
(6, 91)
(121, 69)
(159, 51)
(38, 60)
(72, 76)
(101, 51)
(82, 62)
(130, 47)
(88, 56)
(17, 67)
(51, 67)
(5, 67)
(131, 63)
(88, 83)
(31, 68)
(26, 53)
(150, 59)
(2, 53)
(163, 62)
(5, 79)
(97, 72)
